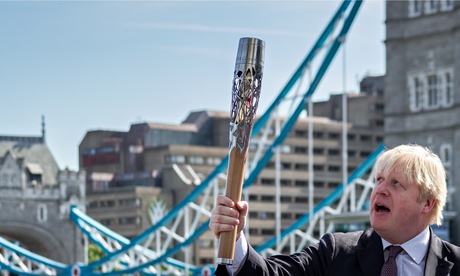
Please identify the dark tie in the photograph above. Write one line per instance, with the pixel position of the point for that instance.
(389, 268)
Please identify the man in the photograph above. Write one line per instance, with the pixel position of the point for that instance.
(409, 194)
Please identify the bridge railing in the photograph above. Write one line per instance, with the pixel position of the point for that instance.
(110, 241)
(141, 259)
(20, 261)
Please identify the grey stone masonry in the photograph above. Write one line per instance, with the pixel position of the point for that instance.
(35, 199)
(422, 85)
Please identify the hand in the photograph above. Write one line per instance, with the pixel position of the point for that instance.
(227, 215)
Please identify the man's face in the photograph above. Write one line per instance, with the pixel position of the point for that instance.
(396, 213)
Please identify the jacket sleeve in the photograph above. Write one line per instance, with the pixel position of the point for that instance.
(221, 270)
(312, 260)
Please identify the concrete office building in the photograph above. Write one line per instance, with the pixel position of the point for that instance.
(124, 209)
(172, 159)
(422, 99)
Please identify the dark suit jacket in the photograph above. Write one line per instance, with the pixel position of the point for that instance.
(354, 253)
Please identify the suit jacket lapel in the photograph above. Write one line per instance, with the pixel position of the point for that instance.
(436, 262)
(370, 253)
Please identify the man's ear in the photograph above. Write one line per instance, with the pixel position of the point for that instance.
(429, 204)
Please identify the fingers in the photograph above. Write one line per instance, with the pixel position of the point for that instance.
(226, 216)
(223, 200)
(220, 223)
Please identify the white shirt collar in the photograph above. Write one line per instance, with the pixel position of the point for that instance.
(417, 247)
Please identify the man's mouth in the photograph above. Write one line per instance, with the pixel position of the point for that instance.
(381, 208)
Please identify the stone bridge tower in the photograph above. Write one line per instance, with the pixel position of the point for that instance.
(35, 199)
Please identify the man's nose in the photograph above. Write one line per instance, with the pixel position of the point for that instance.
(382, 188)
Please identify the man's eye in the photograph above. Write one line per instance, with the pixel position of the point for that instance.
(397, 183)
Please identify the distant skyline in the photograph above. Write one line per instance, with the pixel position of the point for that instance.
(88, 65)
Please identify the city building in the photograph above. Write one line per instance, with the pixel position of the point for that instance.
(173, 159)
(124, 209)
(422, 99)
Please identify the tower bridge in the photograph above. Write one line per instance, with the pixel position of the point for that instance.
(44, 227)
(38, 197)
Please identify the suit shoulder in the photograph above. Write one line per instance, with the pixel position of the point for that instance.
(348, 236)
(444, 249)
(350, 239)
(452, 248)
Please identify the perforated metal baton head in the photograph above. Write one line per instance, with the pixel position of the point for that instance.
(247, 82)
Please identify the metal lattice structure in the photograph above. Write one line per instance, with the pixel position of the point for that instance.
(16, 259)
(328, 211)
(154, 252)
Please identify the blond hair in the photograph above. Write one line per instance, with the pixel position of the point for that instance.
(422, 167)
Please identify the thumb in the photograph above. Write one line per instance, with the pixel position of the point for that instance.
(242, 208)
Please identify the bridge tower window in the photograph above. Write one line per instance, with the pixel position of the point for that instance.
(42, 213)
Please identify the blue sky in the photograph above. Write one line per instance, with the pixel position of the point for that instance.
(89, 65)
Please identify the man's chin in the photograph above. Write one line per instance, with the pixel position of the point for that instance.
(377, 223)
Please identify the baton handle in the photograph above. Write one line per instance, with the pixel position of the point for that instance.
(233, 191)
